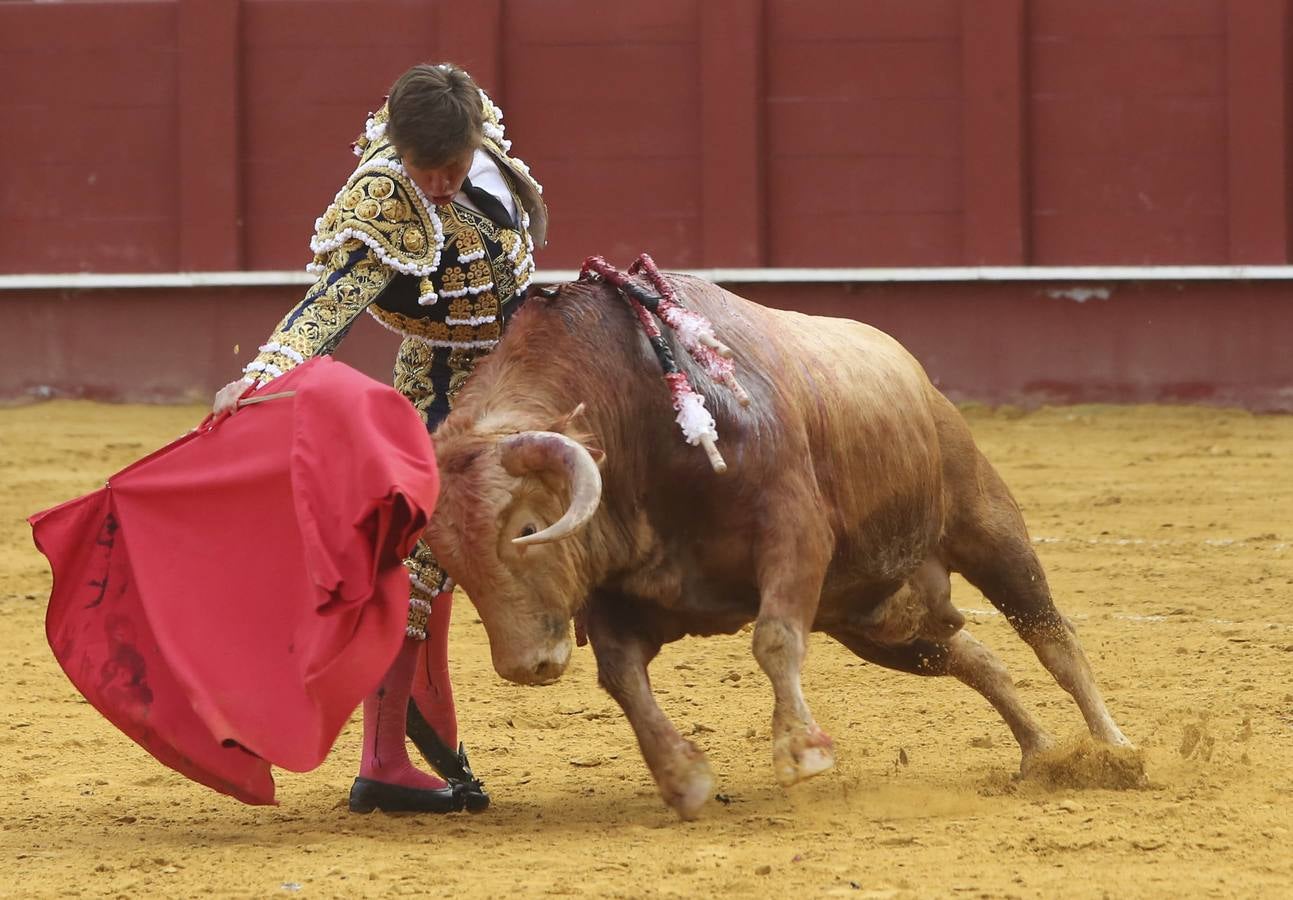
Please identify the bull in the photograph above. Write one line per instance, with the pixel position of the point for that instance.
(854, 488)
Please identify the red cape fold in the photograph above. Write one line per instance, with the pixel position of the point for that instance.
(230, 599)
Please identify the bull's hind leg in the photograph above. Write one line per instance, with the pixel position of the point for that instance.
(970, 662)
(988, 544)
(790, 584)
(624, 646)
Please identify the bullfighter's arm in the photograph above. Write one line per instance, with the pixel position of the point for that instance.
(318, 323)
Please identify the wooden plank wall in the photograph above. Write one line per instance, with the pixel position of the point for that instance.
(208, 134)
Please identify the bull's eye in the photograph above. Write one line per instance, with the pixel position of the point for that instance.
(527, 531)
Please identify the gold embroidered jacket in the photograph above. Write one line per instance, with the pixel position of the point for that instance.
(442, 275)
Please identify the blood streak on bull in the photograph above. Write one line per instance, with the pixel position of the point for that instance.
(854, 489)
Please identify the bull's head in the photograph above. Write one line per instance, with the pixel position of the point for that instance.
(505, 527)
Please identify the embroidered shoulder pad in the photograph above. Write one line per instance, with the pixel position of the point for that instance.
(382, 207)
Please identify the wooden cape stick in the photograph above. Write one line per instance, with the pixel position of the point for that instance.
(280, 395)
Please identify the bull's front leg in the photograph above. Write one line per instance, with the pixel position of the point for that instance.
(791, 571)
(624, 647)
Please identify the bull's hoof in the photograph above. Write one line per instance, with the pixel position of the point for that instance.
(1029, 752)
(686, 783)
(1083, 763)
(799, 757)
(688, 798)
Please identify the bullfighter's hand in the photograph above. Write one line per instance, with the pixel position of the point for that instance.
(226, 399)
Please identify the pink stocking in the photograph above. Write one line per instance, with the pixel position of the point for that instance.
(386, 758)
(432, 690)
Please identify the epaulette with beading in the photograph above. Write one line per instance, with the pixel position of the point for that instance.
(380, 206)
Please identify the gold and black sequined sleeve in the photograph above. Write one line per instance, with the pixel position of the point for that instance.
(352, 280)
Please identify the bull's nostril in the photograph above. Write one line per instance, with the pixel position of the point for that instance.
(546, 671)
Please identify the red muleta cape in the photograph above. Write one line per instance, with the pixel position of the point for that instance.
(230, 599)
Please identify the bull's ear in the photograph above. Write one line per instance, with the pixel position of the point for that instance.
(566, 425)
(562, 423)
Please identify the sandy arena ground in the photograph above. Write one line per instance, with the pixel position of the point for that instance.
(1166, 533)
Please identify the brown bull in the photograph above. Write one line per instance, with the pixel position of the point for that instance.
(854, 488)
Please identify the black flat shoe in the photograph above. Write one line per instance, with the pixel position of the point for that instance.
(367, 795)
(452, 767)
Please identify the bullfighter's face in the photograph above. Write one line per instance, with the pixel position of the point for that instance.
(442, 183)
(525, 593)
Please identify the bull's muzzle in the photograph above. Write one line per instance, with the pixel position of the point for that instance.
(543, 667)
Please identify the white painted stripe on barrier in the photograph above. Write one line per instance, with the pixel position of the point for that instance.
(1092, 274)
(104, 281)
(1003, 273)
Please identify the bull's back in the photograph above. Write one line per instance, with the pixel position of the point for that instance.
(856, 408)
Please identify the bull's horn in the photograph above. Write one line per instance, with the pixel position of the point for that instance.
(537, 451)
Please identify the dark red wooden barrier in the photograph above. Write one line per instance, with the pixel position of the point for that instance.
(208, 134)
(199, 135)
